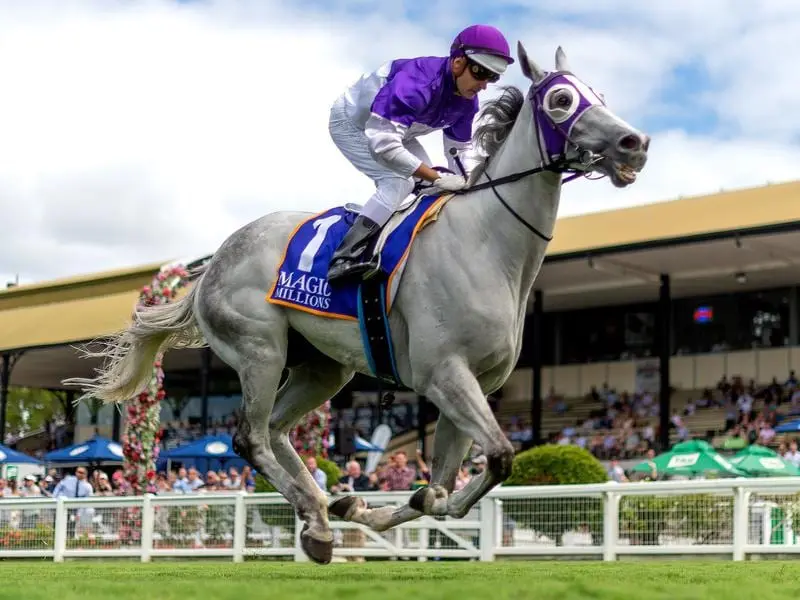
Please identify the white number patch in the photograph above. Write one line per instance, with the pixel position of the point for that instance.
(310, 251)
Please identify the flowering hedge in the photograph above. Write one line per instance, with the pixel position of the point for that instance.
(311, 435)
(142, 435)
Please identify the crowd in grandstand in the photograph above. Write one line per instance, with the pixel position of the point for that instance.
(623, 425)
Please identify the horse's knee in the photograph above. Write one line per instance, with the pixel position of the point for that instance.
(242, 445)
(500, 460)
(251, 447)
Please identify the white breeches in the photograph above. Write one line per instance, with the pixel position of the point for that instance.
(390, 188)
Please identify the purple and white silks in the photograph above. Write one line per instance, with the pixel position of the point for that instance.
(408, 98)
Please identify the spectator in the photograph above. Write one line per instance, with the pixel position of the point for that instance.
(479, 464)
(399, 476)
(29, 487)
(462, 478)
(318, 474)
(103, 485)
(77, 486)
(793, 456)
(248, 482)
(74, 486)
(354, 480)
(190, 484)
(233, 481)
(616, 472)
(212, 482)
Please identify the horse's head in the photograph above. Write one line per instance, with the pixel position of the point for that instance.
(573, 120)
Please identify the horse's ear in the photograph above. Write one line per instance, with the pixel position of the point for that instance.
(529, 68)
(561, 60)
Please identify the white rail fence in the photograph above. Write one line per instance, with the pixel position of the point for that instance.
(733, 518)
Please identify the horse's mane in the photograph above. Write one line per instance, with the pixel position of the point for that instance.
(496, 120)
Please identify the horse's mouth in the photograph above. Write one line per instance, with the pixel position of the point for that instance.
(625, 173)
(622, 174)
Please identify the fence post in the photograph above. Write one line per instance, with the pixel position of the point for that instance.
(60, 534)
(486, 536)
(239, 527)
(610, 525)
(148, 525)
(741, 522)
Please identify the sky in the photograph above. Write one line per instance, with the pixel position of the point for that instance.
(145, 131)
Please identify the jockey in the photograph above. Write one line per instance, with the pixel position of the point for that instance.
(376, 120)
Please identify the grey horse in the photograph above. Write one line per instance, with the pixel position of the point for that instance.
(456, 321)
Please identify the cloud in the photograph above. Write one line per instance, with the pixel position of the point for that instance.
(132, 133)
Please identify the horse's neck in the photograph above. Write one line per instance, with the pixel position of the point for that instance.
(518, 251)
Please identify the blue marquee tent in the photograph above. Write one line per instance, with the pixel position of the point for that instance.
(209, 452)
(98, 450)
(7, 455)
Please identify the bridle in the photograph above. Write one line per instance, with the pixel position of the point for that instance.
(568, 157)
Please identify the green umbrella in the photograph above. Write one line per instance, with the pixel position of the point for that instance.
(759, 461)
(694, 457)
(757, 450)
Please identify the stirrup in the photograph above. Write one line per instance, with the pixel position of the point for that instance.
(344, 269)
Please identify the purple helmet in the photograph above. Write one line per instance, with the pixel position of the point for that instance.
(485, 45)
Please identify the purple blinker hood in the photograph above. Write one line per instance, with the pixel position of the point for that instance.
(553, 132)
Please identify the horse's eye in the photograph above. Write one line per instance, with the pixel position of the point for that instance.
(562, 99)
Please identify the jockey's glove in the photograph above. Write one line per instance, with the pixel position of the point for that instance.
(450, 183)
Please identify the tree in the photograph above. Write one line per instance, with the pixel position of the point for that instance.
(30, 408)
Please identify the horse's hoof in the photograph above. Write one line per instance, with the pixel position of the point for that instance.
(431, 500)
(345, 506)
(417, 500)
(317, 550)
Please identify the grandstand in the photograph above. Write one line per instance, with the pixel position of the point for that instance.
(724, 267)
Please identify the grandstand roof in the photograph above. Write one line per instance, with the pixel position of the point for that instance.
(703, 243)
(760, 209)
(602, 258)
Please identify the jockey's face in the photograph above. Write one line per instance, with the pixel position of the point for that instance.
(471, 77)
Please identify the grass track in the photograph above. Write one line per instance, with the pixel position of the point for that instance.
(678, 580)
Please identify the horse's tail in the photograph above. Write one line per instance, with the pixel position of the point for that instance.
(129, 355)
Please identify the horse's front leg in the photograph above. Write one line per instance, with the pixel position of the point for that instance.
(450, 446)
(457, 394)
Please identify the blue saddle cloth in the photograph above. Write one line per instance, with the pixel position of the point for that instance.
(302, 281)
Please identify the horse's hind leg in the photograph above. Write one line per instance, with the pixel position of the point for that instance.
(260, 360)
(308, 387)
(450, 446)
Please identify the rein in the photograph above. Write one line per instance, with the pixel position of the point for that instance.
(579, 164)
(562, 164)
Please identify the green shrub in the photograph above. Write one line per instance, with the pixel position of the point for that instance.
(556, 465)
(330, 468)
(705, 518)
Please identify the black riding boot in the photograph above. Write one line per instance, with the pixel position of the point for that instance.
(351, 259)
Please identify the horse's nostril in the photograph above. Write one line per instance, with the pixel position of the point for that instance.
(630, 142)
(646, 146)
